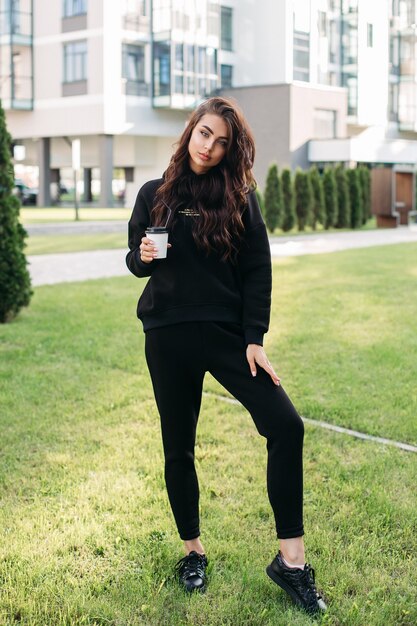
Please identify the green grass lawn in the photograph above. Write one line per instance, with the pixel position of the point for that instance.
(52, 244)
(87, 536)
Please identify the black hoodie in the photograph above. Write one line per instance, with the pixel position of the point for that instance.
(190, 286)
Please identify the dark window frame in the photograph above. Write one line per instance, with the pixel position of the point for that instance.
(70, 10)
(138, 54)
(301, 46)
(370, 35)
(226, 75)
(69, 52)
(226, 24)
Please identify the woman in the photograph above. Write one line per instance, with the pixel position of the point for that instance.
(205, 308)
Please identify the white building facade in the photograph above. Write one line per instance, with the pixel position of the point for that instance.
(122, 77)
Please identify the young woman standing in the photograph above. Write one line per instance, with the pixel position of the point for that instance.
(205, 308)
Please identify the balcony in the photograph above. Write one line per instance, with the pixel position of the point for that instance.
(16, 26)
(16, 56)
(136, 23)
(135, 88)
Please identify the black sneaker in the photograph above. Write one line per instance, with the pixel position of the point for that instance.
(191, 571)
(298, 583)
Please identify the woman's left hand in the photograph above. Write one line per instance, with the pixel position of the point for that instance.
(256, 355)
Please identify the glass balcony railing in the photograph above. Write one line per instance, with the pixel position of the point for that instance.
(136, 88)
(16, 92)
(137, 23)
(17, 24)
(16, 54)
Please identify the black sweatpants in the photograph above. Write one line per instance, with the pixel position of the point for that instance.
(178, 357)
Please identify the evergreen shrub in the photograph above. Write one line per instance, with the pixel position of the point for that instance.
(273, 199)
(355, 195)
(343, 199)
(15, 287)
(330, 197)
(288, 219)
(318, 212)
(303, 198)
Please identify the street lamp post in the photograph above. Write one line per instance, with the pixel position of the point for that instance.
(76, 165)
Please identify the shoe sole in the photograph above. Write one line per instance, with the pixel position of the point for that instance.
(191, 590)
(195, 590)
(281, 583)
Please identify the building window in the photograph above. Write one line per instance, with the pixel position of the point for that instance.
(370, 35)
(334, 42)
(133, 64)
(226, 28)
(135, 16)
(226, 75)
(179, 56)
(407, 60)
(393, 102)
(162, 69)
(190, 58)
(133, 70)
(324, 124)
(211, 61)
(301, 57)
(179, 68)
(394, 54)
(137, 7)
(351, 82)
(212, 18)
(191, 84)
(75, 61)
(179, 84)
(75, 7)
(201, 68)
(322, 24)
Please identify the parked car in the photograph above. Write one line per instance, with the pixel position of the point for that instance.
(27, 195)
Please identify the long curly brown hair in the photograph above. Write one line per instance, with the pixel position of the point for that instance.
(219, 196)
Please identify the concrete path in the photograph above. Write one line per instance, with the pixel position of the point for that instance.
(331, 242)
(49, 269)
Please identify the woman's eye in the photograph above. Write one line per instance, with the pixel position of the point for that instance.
(203, 132)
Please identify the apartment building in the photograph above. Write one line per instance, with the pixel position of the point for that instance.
(319, 80)
(119, 76)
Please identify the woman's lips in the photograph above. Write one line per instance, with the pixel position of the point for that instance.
(205, 157)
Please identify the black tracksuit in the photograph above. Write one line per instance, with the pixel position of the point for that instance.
(199, 313)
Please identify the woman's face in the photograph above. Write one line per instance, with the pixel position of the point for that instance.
(208, 143)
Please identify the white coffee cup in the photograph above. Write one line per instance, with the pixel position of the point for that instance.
(159, 237)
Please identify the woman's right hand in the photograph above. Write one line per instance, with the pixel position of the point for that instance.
(148, 250)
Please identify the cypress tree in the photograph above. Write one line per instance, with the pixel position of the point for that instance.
(15, 291)
(287, 185)
(273, 199)
(318, 197)
(365, 180)
(355, 198)
(303, 198)
(330, 197)
(343, 200)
